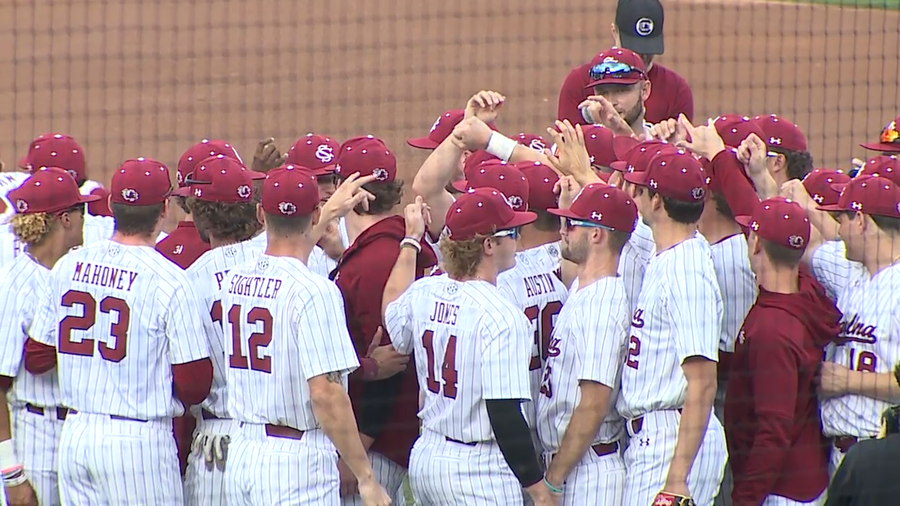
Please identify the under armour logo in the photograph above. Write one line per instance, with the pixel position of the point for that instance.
(644, 441)
(198, 192)
(654, 184)
(324, 153)
(775, 140)
(755, 226)
(818, 198)
(856, 206)
(597, 216)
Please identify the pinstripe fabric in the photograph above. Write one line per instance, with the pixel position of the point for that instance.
(118, 462)
(630, 269)
(596, 481)
(830, 266)
(533, 287)
(37, 444)
(387, 473)
(642, 241)
(493, 349)
(95, 229)
(161, 310)
(777, 500)
(9, 246)
(737, 284)
(204, 483)
(870, 337)
(319, 262)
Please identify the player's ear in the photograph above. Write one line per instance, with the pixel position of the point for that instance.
(261, 215)
(753, 244)
(316, 216)
(645, 90)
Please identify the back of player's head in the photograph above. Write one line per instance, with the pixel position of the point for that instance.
(193, 156)
(290, 199)
(875, 196)
(369, 155)
(56, 150)
(220, 192)
(782, 228)
(48, 197)
(785, 139)
(138, 196)
(541, 180)
(679, 180)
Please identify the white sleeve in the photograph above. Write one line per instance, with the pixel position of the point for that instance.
(695, 306)
(505, 356)
(16, 313)
(320, 263)
(184, 325)
(506, 284)
(324, 342)
(631, 268)
(605, 330)
(642, 241)
(45, 326)
(397, 318)
(830, 266)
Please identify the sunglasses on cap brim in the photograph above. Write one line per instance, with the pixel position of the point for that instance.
(613, 70)
(509, 232)
(572, 223)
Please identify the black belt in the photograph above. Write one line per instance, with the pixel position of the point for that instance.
(37, 410)
(451, 440)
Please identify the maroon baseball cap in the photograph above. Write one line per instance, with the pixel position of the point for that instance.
(55, 150)
(882, 165)
(603, 205)
(475, 159)
(616, 65)
(781, 133)
(870, 195)
(201, 151)
(367, 155)
(501, 176)
(819, 184)
(140, 182)
(441, 129)
(48, 190)
(889, 141)
(541, 180)
(779, 221)
(675, 174)
(533, 141)
(290, 191)
(483, 211)
(634, 156)
(317, 153)
(220, 178)
(733, 129)
(598, 140)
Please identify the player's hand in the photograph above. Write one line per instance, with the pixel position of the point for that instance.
(603, 112)
(541, 495)
(485, 105)
(571, 157)
(21, 495)
(418, 217)
(752, 154)
(616, 179)
(793, 189)
(834, 380)
(566, 189)
(347, 196)
(670, 130)
(373, 494)
(349, 485)
(388, 360)
(267, 156)
(471, 134)
(705, 140)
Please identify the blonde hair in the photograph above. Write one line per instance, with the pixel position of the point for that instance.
(31, 228)
(461, 258)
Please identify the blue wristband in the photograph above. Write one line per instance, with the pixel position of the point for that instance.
(554, 489)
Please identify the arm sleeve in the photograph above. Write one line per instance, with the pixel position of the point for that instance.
(507, 352)
(774, 371)
(15, 313)
(184, 325)
(514, 439)
(736, 188)
(696, 309)
(397, 318)
(44, 328)
(832, 269)
(642, 242)
(605, 329)
(572, 94)
(324, 342)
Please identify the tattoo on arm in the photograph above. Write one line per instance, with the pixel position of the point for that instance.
(333, 377)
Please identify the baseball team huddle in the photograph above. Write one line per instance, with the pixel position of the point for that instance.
(628, 309)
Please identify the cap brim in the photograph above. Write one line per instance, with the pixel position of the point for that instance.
(327, 170)
(622, 144)
(462, 185)
(422, 143)
(521, 218)
(638, 177)
(643, 45)
(744, 221)
(619, 166)
(184, 191)
(831, 207)
(24, 163)
(565, 213)
(256, 176)
(839, 187)
(884, 148)
(617, 80)
(90, 198)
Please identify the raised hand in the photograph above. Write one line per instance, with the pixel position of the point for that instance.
(267, 156)
(704, 139)
(485, 105)
(471, 134)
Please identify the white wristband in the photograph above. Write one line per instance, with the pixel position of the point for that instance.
(414, 244)
(501, 146)
(8, 458)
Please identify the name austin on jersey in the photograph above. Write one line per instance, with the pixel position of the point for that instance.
(539, 284)
(104, 275)
(255, 286)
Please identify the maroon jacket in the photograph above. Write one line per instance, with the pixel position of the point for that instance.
(772, 425)
(361, 274)
(184, 245)
(670, 95)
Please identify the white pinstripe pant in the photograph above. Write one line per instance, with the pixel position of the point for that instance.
(273, 471)
(595, 481)
(388, 473)
(650, 453)
(444, 473)
(118, 462)
(204, 484)
(777, 500)
(37, 444)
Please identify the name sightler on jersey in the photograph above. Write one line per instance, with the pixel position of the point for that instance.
(255, 286)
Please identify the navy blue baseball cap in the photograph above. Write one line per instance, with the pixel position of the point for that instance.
(640, 24)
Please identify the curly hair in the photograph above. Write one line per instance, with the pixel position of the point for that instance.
(31, 228)
(227, 221)
(460, 259)
(798, 163)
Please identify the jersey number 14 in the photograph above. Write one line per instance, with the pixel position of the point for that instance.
(448, 366)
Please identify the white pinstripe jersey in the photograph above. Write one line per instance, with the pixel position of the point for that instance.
(471, 344)
(207, 274)
(630, 269)
(642, 241)
(120, 317)
(319, 262)
(22, 284)
(534, 288)
(737, 284)
(588, 344)
(870, 330)
(288, 326)
(678, 315)
(829, 261)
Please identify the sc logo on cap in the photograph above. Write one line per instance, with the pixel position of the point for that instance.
(644, 27)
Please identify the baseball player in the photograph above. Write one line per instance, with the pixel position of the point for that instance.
(61, 150)
(621, 88)
(123, 327)
(185, 244)
(472, 349)
(889, 140)
(677, 448)
(219, 192)
(788, 155)
(289, 353)
(856, 380)
(578, 426)
(10, 247)
(48, 220)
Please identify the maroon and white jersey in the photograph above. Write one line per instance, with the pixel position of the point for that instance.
(119, 317)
